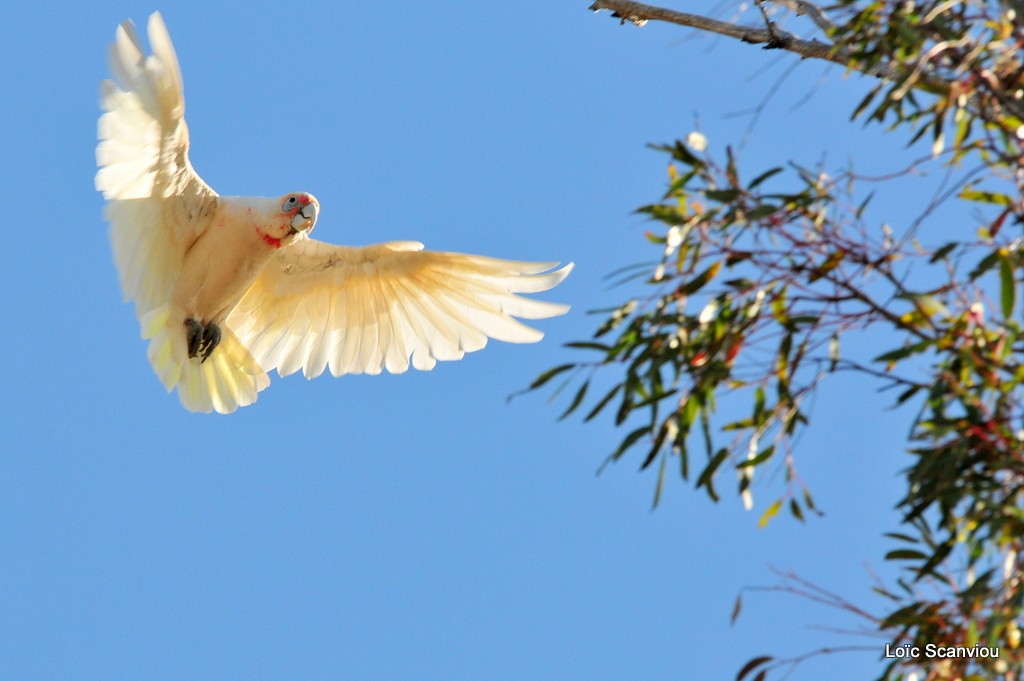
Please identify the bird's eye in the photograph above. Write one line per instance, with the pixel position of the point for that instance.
(289, 203)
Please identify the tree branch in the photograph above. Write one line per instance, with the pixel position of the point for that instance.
(771, 38)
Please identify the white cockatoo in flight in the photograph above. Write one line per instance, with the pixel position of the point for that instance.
(227, 288)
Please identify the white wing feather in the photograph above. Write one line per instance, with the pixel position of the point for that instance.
(363, 310)
(157, 205)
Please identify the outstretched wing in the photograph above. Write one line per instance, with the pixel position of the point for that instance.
(361, 310)
(156, 204)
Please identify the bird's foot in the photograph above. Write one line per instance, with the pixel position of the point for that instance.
(211, 339)
(194, 336)
(202, 340)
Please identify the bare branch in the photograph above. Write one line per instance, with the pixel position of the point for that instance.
(775, 38)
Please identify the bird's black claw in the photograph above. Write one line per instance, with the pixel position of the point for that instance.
(211, 339)
(202, 340)
(194, 336)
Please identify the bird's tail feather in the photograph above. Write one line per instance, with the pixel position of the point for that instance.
(229, 379)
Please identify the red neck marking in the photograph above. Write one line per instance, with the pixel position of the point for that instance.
(268, 240)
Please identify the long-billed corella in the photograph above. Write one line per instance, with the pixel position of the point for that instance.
(227, 288)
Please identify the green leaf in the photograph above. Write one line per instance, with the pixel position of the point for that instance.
(905, 554)
(656, 397)
(778, 306)
(1007, 286)
(865, 102)
(759, 403)
(863, 206)
(580, 394)
(681, 153)
(705, 479)
(629, 441)
(603, 403)
(659, 440)
(963, 129)
(660, 483)
(769, 513)
(943, 252)
(761, 212)
(940, 554)
(986, 197)
(742, 284)
(908, 393)
(984, 265)
(903, 353)
(794, 509)
(700, 280)
(795, 322)
(548, 375)
(927, 304)
(722, 195)
(625, 408)
(588, 345)
(668, 214)
(905, 615)
(764, 176)
(763, 456)
(830, 264)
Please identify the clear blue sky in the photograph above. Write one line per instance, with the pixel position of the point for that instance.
(413, 526)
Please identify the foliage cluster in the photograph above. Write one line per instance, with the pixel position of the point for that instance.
(760, 275)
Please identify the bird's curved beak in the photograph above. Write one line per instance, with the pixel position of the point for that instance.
(305, 217)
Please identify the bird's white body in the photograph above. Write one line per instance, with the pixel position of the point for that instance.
(228, 288)
(227, 257)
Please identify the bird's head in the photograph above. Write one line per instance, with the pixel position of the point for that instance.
(302, 209)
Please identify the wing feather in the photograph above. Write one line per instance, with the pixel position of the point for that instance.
(397, 351)
(156, 204)
(405, 316)
(319, 348)
(349, 304)
(370, 333)
(438, 325)
(382, 330)
(484, 314)
(364, 310)
(449, 314)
